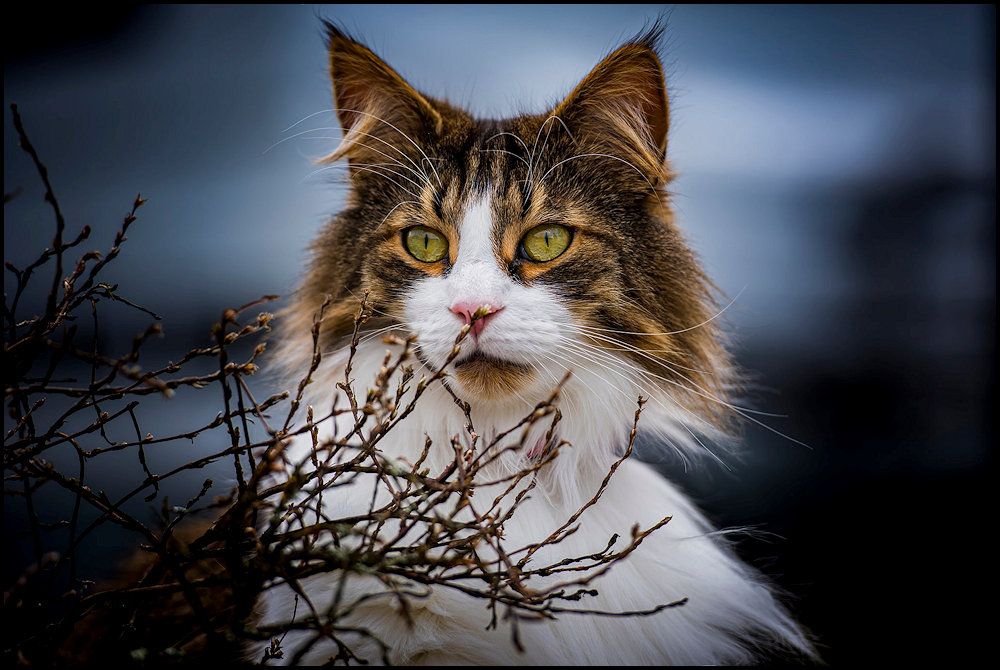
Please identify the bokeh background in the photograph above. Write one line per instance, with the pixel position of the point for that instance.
(837, 176)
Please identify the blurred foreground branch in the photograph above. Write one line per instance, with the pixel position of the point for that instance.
(191, 587)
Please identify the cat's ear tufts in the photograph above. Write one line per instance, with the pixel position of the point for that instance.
(622, 105)
(376, 107)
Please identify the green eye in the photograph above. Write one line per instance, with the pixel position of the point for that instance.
(426, 244)
(546, 242)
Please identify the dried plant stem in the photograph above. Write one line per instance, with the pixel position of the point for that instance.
(199, 568)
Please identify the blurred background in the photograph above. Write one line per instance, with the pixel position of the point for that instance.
(837, 174)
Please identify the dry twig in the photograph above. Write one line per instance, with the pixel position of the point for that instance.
(194, 594)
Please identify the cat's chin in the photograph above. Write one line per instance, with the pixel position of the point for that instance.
(492, 378)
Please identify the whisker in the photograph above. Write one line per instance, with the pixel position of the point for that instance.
(744, 412)
(309, 116)
(500, 134)
(531, 156)
(548, 133)
(571, 367)
(301, 133)
(697, 390)
(405, 136)
(673, 332)
(371, 334)
(415, 169)
(399, 204)
(646, 373)
(382, 167)
(594, 355)
(656, 400)
(648, 353)
(366, 169)
(622, 160)
(365, 337)
(368, 304)
(555, 379)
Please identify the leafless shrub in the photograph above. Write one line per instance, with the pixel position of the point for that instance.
(191, 591)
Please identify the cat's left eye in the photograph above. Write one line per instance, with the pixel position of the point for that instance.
(425, 244)
(546, 242)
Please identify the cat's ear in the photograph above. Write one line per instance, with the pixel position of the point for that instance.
(376, 107)
(622, 106)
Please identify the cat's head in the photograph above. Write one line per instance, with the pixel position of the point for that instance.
(555, 227)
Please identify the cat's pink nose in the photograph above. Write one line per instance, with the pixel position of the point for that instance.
(466, 310)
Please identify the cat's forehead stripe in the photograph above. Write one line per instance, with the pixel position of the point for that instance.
(476, 232)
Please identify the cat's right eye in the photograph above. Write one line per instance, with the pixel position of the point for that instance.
(546, 242)
(425, 244)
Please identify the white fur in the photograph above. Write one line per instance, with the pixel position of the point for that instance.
(729, 606)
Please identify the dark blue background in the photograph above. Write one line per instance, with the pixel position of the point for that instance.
(837, 174)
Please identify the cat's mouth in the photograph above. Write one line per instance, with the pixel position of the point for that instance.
(491, 377)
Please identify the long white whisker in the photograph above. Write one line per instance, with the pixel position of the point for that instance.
(658, 401)
(745, 412)
(651, 375)
(367, 335)
(378, 331)
(416, 166)
(555, 380)
(646, 353)
(500, 134)
(531, 156)
(653, 397)
(301, 133)
(527, 163)
(381, 166)
(415, 169)
(399, 204)
(697, 390)
(405, 136)
(306, 118)
(570, 367)
(534, 158)
(622, 160)
(378, 311)
(366, 169)
(673, 332)
(548, 133)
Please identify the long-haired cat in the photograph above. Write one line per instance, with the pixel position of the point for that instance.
(550, 237)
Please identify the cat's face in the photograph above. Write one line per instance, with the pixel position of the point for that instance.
(550, 234)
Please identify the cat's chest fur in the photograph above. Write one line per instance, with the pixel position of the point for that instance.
(692, 601)
(519, 256)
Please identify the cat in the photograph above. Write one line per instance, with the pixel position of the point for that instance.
(549, 242)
